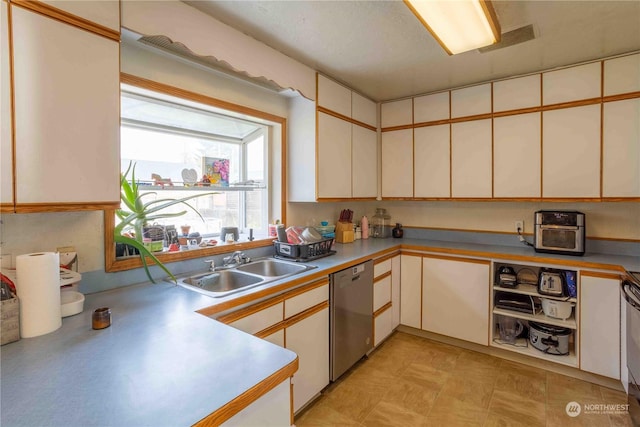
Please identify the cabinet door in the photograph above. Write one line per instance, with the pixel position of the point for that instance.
(309, 339)
(471, 159)
(513, 94)
(410, 290)
(429, 108)
(6, 149)
(471, 101)
(396, 113)
(621, 149)
(364, 110)
(364, 163)
(432, 163)
(271, 409)
(103, 12)
(66, 112)
(397, 163)
(571, 152)
(334, 96)
(622, 75)
(455, 299)
(600, 325)
(516, 156)
(334, 157)
(395, 290)
(571, 84)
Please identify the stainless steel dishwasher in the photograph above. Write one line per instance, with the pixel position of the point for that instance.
(351, 301)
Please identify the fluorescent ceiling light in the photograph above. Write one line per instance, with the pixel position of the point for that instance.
(458, 25)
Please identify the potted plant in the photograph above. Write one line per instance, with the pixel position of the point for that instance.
(138, 213)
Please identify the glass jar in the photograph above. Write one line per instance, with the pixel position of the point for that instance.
(380, 224)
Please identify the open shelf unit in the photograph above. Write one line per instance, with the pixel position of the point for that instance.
(522, 344)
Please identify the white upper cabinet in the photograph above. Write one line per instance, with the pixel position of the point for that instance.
(103, 12)
(67, 121)
(334, 157)
(396, 113)
(432, 161)
(334, 96)
(363, 110)
(571, 84)
(430, 108)
(6, 158)
(622, 75)
(471, 159)
(514, 94)
(516, 156)
(621, 149)
(571, 152)
(397, 163)
(364, 162)
(471, 101)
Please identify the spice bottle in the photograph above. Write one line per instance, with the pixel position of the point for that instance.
(397, 231)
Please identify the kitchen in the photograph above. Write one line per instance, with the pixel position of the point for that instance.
(608, 220)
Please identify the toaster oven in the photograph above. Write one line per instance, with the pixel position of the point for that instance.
(561, 232)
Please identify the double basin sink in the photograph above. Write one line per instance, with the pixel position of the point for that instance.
(227, 280)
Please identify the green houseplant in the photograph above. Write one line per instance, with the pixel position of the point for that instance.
(137, 213)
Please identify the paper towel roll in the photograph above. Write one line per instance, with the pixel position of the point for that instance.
(38, 287)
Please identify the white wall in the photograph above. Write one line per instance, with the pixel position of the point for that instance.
(604, 220)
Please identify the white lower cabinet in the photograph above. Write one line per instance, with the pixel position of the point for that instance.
(410, 290)
(600, 324)
(309, 339)
(271, 409)
(455, 298)
(386, 298)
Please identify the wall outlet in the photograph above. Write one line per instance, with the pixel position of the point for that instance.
(519, 226)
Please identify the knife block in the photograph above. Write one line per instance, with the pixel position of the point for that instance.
(344, 232)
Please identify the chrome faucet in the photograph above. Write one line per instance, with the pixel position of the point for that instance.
(212, 265)
(237, 258)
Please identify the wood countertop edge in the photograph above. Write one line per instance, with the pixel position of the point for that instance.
(525, 258)
(399, 249)
(248, 397)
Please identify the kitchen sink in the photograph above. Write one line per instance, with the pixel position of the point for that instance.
(273, 268)
(227, 280)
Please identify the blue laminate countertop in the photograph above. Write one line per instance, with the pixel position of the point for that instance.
(158, 364)
(163, 364)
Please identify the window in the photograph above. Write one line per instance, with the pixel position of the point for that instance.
(179, 140)
(179, 149)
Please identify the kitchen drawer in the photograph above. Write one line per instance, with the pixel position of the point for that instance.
(256, 322)
(382, 326)
(379, 268)
(302, 302)
(381, 292)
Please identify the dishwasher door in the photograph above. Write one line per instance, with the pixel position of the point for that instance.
(351, 300)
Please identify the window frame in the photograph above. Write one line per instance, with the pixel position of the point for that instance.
(113, 264)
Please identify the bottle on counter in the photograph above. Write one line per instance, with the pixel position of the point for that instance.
(397, 231)
(364, 225)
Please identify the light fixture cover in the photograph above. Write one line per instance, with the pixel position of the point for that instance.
(458, 25)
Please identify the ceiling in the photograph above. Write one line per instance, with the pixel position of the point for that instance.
(381, 50)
